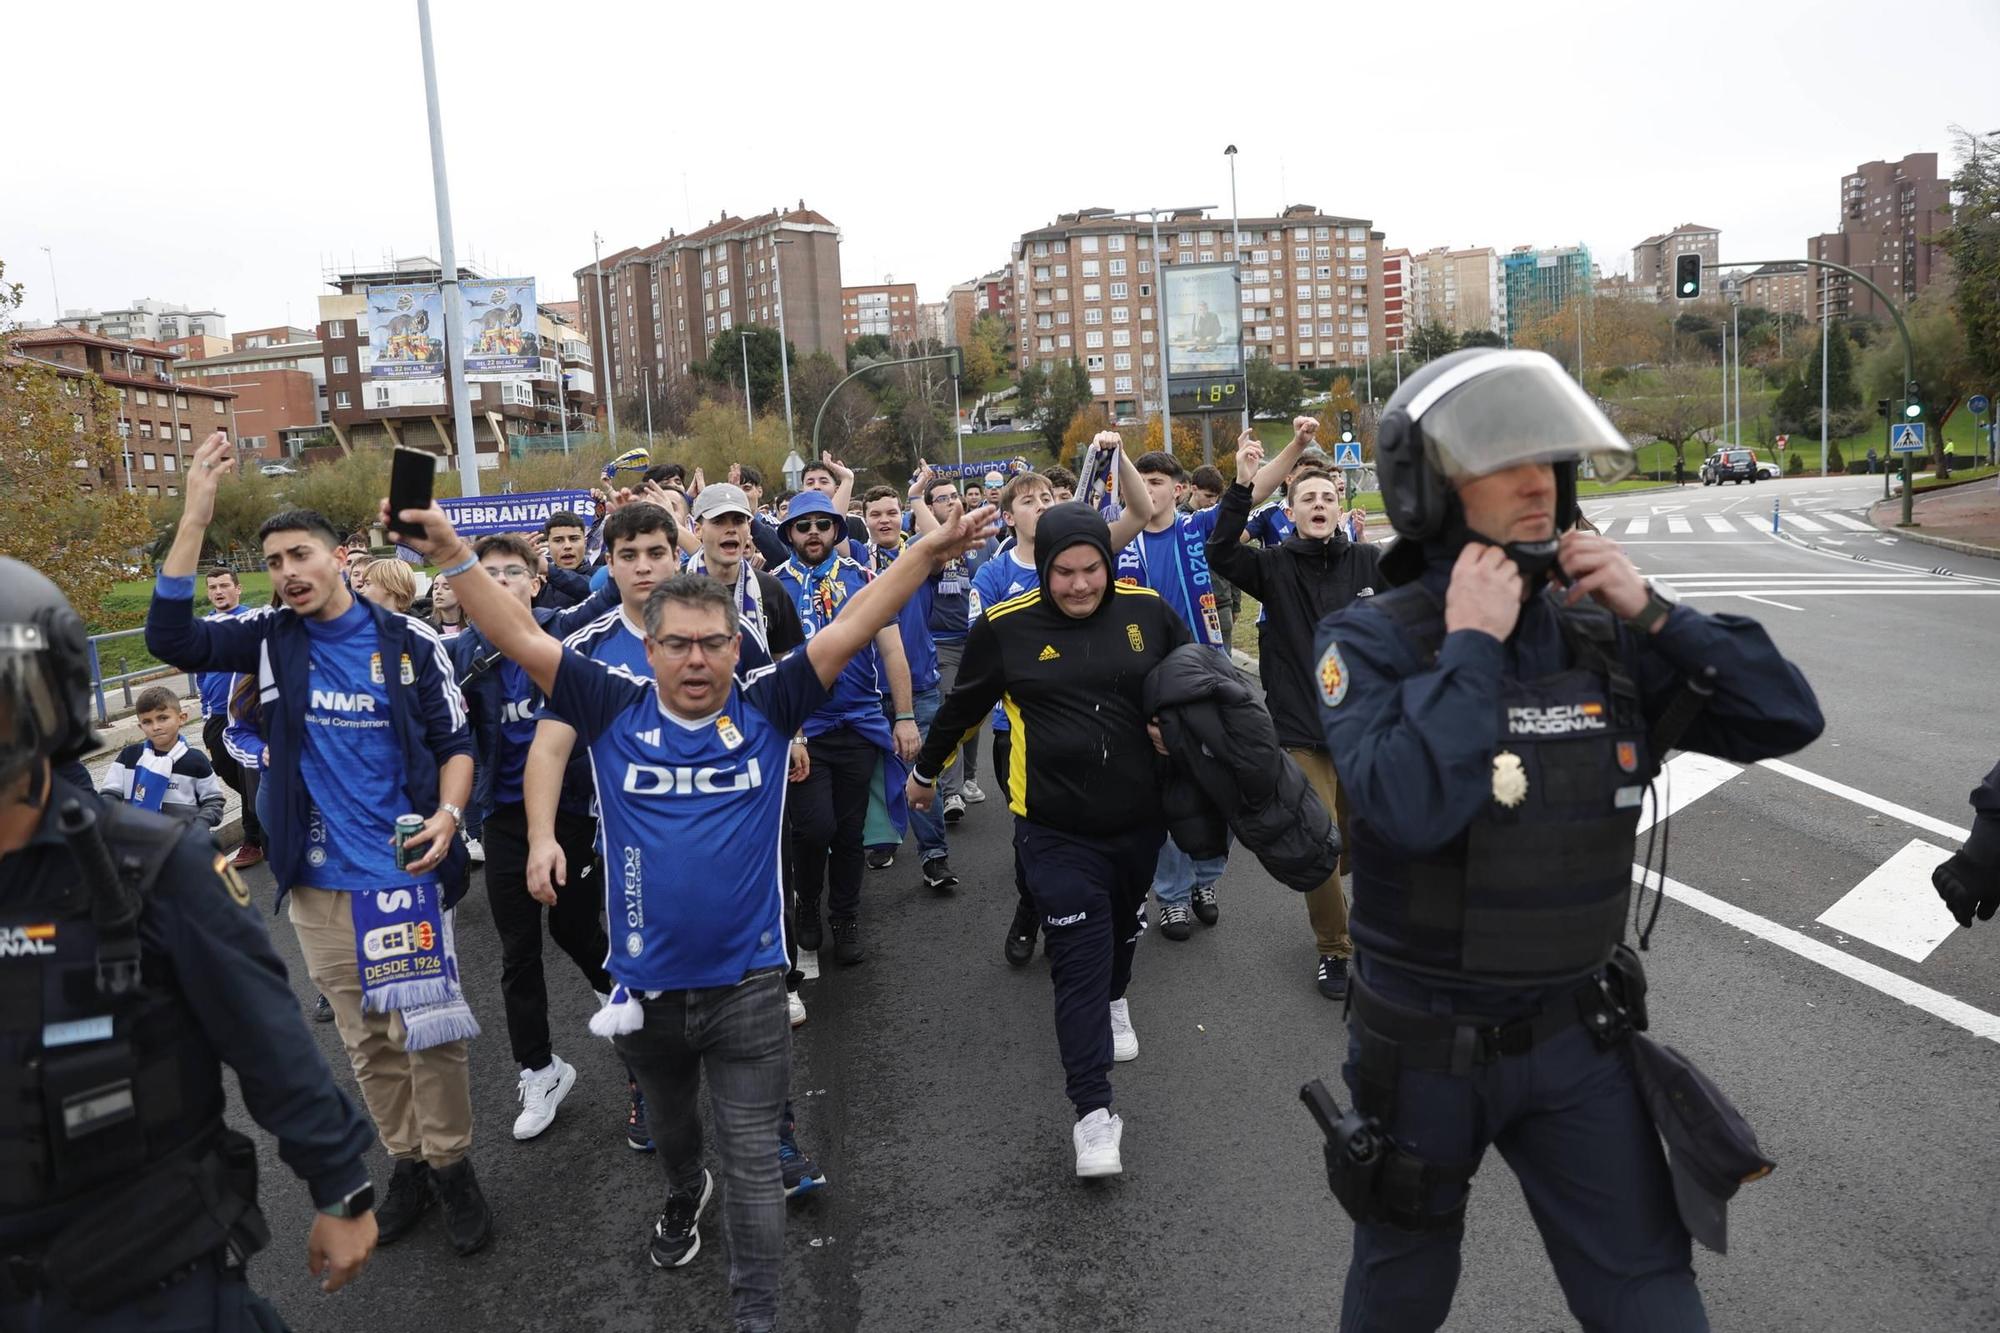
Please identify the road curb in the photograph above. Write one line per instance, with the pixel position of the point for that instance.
(1942, 543)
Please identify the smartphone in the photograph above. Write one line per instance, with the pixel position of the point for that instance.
(411, 472)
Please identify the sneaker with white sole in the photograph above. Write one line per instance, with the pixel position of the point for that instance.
(798, 1008)
(677, 1233)
(1097, 1137)
(954, 808)
(970, 791)
(541, 1092)
(1124, 1041)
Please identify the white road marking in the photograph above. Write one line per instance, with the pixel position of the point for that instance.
(1896, 908)
(1719, 523)
(1914, 818)
(1765, 601)
(1900, 591)
(1637, 527)
(1675, 523)
(1851, 524)
(1936, 1003)
(1687, 777)
(1802, 522)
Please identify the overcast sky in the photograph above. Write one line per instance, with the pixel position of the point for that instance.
(222, 154)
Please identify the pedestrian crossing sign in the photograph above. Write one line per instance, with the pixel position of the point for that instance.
(1347, 454)
(1907, 438)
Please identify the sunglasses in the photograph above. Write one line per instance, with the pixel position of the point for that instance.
(814, 525)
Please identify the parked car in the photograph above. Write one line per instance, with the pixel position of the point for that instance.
(1767, 469)
(278, 470)
(1737, 465)
(1708, 470)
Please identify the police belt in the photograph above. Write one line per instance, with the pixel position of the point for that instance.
(1455, 1043)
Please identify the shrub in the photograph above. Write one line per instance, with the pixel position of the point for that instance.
(1795, 467)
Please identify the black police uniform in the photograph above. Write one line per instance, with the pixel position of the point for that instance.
(1496, 789)
(124, 1201)
(1969, 881)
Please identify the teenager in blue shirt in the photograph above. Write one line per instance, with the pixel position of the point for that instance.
(225, 595)
(848, 738)
(690, 773)
(935, 500)
(364, 721)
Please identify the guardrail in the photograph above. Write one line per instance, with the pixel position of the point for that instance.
(123, 681)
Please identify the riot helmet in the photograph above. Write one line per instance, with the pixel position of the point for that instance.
(1481, 411)
(44, 673)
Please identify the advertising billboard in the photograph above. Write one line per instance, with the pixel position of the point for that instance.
(1204, 338)
(406, 332)
(500, 337)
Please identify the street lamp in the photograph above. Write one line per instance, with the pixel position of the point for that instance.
(778, 283)
(609, 398)
(744, 339)
(1236, 252)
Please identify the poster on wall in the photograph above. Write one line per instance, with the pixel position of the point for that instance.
(500, 337)
(406, 332)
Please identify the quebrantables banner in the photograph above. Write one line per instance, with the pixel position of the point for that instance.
(406, 332)
(500, 328)
(514, 513)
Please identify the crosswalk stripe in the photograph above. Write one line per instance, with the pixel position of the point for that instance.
(1896, 908)
(1675, 523)
(1851, 524)
(1689, 776)
(1638, 527)
(1798, 520)
(1719, 523)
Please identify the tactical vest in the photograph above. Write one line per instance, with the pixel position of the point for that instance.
(95, 1087)
(1537, 886)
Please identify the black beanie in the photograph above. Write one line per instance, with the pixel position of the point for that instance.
(1063, 526)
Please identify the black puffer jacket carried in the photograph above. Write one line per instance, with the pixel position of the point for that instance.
(1228, 774)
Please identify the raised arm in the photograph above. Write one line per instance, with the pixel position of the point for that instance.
(173, 634)
(1269, 477)
(1137, 504)
(844, 492)
(507, 624)
(877, 604)
(921, 517)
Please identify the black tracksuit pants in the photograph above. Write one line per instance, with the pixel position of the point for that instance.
(1090, 893)
(575, 922)
(1003, 752)
(238, 779)
(831, 819)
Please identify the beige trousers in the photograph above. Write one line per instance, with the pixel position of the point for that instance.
(1326, 905)
(421, 1102)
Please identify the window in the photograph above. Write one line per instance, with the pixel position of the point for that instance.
(1117, 268)
(145, 430)
(1041, 273)
(1094, 315)
(219, 408)
(1061, 270)
(336, 328)
(1062, 340)
(1062, 316)
(1145, 335)
(1357, 271)
(1088, 268)
(1303, 291)
(1093, 363)
(144, 400)
(1097, 386)
(1122, 337)
(1121, 384)
(1092, 292)
(1118, 290)
(1208, 256)
(168, 463)
(1120, 314)
(1087, 244)
(1322, 252)
(1121, 360)
(1145, 266)
(1115, 244)
(340, 365)
(181, 402)
(1302, 252)
(1145, 288)
(1044, 321)
(1187, 238)
(148, 462)
(343, 399)
(1045, 345)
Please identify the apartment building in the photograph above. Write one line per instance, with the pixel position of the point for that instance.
(1653, 258)
(992, 294)
(664, 304)
(364, 412)
(160, 419)
(149, 320)
(885, 310)
(1464, 290)
(1398, 282)
(280, 388)
(1789, 289)
(1540, 282)
(1888, 213)
(1083, 287)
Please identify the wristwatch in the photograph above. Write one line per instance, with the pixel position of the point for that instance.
(1660, 602)
(457, 813)
(354, 1205)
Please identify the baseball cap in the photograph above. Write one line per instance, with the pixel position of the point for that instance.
(721, 497)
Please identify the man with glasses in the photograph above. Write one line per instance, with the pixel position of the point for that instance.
(501, 705)
(688, 771)
(847, 737)
(934, 501)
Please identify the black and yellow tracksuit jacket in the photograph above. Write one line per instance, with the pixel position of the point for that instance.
(1073, 689)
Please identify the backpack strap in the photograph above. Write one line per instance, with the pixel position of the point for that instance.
(1591, 634)
(122, 851)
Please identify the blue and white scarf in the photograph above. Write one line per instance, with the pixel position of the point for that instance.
(408, 956)
(749, 599)
(153, 779)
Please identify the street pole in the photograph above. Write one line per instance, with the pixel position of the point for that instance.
(1399, 367)
(1736, 337)
(54, 291)
(784, 357)
(1825, 328)
(1236, 248)
(958, 427)
(562, 398)
(646, 387)
(1160, 317)
(454, 306)
(1722, 430)
(609, 399)
(749, 423)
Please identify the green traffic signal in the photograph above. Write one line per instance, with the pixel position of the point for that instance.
(1687, 276)
(1913, 410)
(1347, 437)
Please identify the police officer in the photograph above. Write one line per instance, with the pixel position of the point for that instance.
(1969, 881)
(1496, 720)
(131, 967)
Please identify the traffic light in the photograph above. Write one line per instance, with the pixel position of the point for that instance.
(1346, 427)
(1687, 276)
(1882, 408)
(1913, 405)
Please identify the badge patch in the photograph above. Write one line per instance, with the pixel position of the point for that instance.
(1332, 676)
(409, 672)
(634, 945)
(225, 870)
(1510, 780)
(1135, 638)
(1628, 756)
(727, 730)
(375, 668)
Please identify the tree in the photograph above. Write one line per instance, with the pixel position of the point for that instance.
(1058, 397)
(1679, 413)
(1842, 395)
(718, 437)
(1973, 242)
(1273, 392)
(981, 366)
(1082, 429)
(1187, 440)
(848, 414)
(724, 364)
(1941, 363)
(1481, 338)
(869, 347)
(1431, 340)
(671, 409)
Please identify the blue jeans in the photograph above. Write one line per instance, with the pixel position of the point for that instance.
(928, 826)
(1177, 874)
(741, 1037)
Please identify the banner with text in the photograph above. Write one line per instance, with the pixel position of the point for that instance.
(515, 513)
(406, 332)
(500, 339)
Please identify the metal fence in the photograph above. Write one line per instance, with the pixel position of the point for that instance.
(120, 683)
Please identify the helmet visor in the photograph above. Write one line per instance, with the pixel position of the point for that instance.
(1511, 408)
(31, 721)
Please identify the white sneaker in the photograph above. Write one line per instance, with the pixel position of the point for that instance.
(474, 852)
(972, 794)
(541, 1092)
(798, 1008)
(1097, 1137)
(1124, 1041)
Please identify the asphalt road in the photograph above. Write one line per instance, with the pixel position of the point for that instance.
(928, 1083)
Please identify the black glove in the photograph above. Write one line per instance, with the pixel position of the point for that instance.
(1966, 886)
